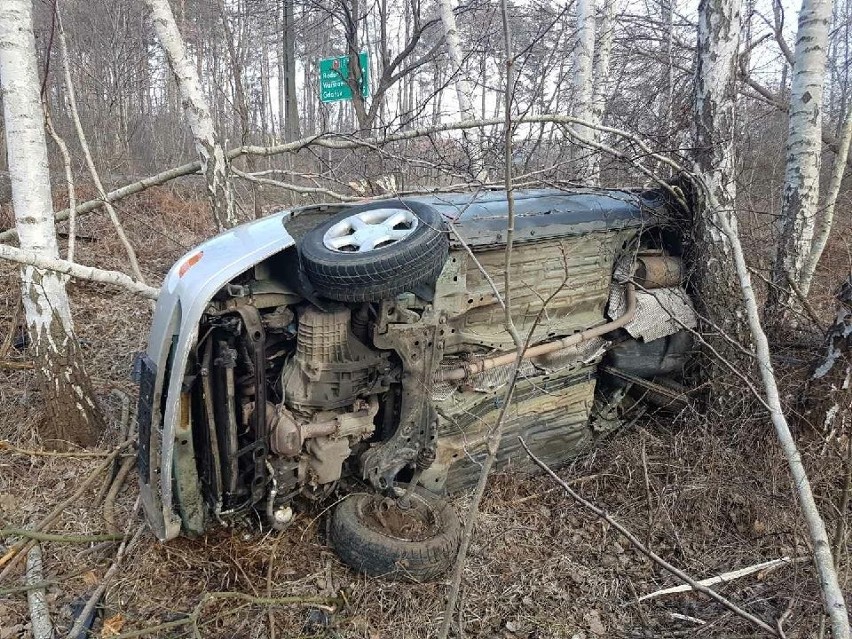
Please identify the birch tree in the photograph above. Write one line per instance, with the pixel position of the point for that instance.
(714, 161)
(464, 92)
(71, 414)
(825, 216)
(463, 86)
(718, 44)
(214, 162)
(583, 57)
(800, 197)
(602, 83)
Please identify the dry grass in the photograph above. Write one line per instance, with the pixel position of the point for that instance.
(709, 494)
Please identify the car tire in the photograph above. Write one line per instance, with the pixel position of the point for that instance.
(376, 551)
(352, 273)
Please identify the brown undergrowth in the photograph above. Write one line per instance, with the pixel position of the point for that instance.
(709, 492)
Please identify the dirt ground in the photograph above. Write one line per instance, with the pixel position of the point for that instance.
(709, 495)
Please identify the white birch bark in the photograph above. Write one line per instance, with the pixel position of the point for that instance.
(804, 145)
(602, 81)
(583, 56)
(70, 411)
(41, 625)
(825, 216)
(42, 262)
(463, 86)
(69, 181)
(715, 109)
(714, 165)
(718, 43)
(214, 162)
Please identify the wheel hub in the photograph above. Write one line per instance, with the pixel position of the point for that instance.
(370, 230)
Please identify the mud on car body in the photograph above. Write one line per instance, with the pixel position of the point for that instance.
(362, 348)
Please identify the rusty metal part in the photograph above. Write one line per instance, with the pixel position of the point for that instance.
(658, 271)
(325, 459)
(480, 366)
(425, 458)
(552, 414)
(418, 340)
(288, 433)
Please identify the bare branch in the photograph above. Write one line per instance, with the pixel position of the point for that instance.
(73, 269)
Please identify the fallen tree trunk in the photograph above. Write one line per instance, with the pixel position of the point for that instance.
(73, 269)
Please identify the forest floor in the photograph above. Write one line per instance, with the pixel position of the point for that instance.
(710, 495)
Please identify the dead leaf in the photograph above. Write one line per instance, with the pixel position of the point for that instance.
(90, 578)
(113, 625)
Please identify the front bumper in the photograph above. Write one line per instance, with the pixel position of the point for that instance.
(188, 288)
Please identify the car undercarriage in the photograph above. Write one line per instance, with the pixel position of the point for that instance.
(369, 353)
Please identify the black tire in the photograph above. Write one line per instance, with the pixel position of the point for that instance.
(368, 549)
(383, 272)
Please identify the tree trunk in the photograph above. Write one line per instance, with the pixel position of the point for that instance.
(351, 15)
(825, 216)
(804, 145)
(828, 398)
(718, 291)
(214, 164)
(602, 83)
(584, 52)
(70, 410)
(464, 89)
(291, 105)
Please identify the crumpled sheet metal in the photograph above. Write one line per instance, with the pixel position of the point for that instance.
(659, 312)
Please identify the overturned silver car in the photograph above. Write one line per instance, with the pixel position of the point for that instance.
(363, 349)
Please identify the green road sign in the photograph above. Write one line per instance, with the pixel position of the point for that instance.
(333, 78)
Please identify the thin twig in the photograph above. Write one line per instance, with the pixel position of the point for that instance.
(832, 594)
(109, 501)
(87, 154)
(16, 366)
(70, 539)
(720, 579)
(40, 584)
(6, 447)
(496, 434)
(41, 625)
(840, 530)
(806, 304)
(69, 173)
(340, 142)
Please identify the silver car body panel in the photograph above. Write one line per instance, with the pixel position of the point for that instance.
(187, 290)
